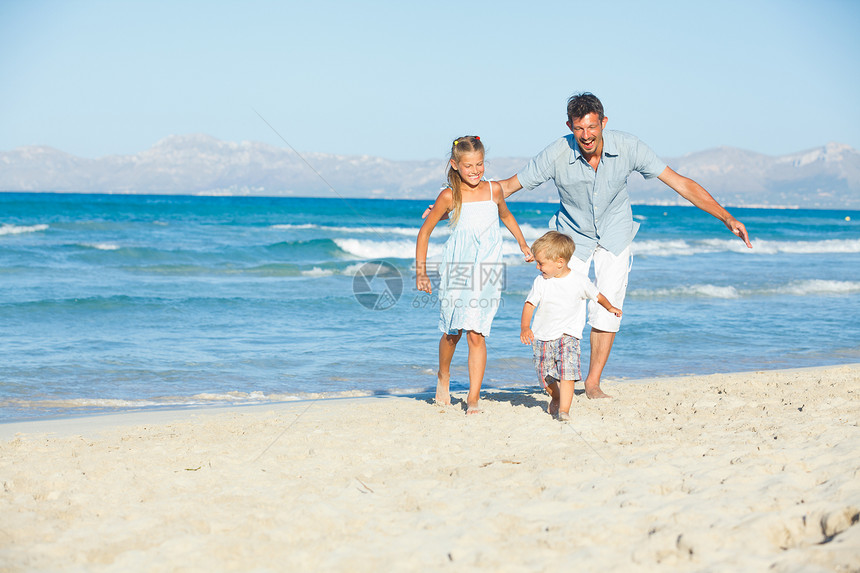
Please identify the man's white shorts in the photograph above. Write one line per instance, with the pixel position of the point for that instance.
(610, 273)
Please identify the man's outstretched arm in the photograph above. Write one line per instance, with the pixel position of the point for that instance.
(510, 185)
(696, 194)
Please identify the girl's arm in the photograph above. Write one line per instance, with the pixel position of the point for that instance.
(602, 301)
(511, 223)
(443, 204)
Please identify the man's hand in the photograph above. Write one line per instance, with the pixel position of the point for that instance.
(430, 208)
(738, 229)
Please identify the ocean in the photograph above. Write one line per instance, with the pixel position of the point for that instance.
(128, 302)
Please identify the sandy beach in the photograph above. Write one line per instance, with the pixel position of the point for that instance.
(755, 471)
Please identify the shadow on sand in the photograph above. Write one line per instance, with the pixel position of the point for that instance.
(530, 397)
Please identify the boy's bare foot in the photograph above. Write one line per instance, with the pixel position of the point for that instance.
(563, 417)
(473, 409)
(594, 392)
(552, 391)
(443, 395)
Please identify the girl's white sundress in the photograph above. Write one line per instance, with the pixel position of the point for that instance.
(471, 272)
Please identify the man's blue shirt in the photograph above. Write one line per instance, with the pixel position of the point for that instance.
(594, 206)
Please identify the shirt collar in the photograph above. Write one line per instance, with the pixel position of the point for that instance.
(610, 146)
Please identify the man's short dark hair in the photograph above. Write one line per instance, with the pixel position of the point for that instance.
(580, 105)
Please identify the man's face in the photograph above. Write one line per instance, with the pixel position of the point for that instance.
(588, 132)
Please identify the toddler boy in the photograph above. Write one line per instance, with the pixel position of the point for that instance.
(555, 301)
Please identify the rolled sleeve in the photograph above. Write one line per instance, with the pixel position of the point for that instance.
(542, 166)
(646, 161)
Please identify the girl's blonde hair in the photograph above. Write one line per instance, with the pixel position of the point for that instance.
(461, 145)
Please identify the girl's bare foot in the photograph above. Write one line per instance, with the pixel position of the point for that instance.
(473, 409)
(443, 394)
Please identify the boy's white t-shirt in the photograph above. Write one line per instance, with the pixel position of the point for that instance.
(560, 303)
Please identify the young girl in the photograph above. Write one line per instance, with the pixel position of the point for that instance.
(471, 269)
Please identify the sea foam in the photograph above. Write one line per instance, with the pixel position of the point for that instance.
(798, 288)
(103, 246)
(702, 290)
(814, 286)
(680, 247)
(7, 229)
(368, 249)
(381, 231)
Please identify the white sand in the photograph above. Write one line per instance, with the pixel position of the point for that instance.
(731, 472)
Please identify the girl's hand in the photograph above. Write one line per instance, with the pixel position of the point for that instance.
(422, 282)
(527, 252)
(615, 311)
(526, 335)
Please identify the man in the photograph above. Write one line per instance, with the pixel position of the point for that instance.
(590, 170)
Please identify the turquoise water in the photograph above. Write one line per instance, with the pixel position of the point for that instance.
(122, 302)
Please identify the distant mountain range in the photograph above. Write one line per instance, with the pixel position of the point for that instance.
(825, 177)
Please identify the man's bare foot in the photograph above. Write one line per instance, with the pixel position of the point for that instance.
(594, 392)
(443, 394)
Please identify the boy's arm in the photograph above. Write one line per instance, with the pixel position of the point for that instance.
(511, 223)
(526, 334)
(601, 300)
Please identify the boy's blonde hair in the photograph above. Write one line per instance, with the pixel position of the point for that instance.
(554, 245)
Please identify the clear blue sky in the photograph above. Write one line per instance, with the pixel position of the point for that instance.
(401, 79)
